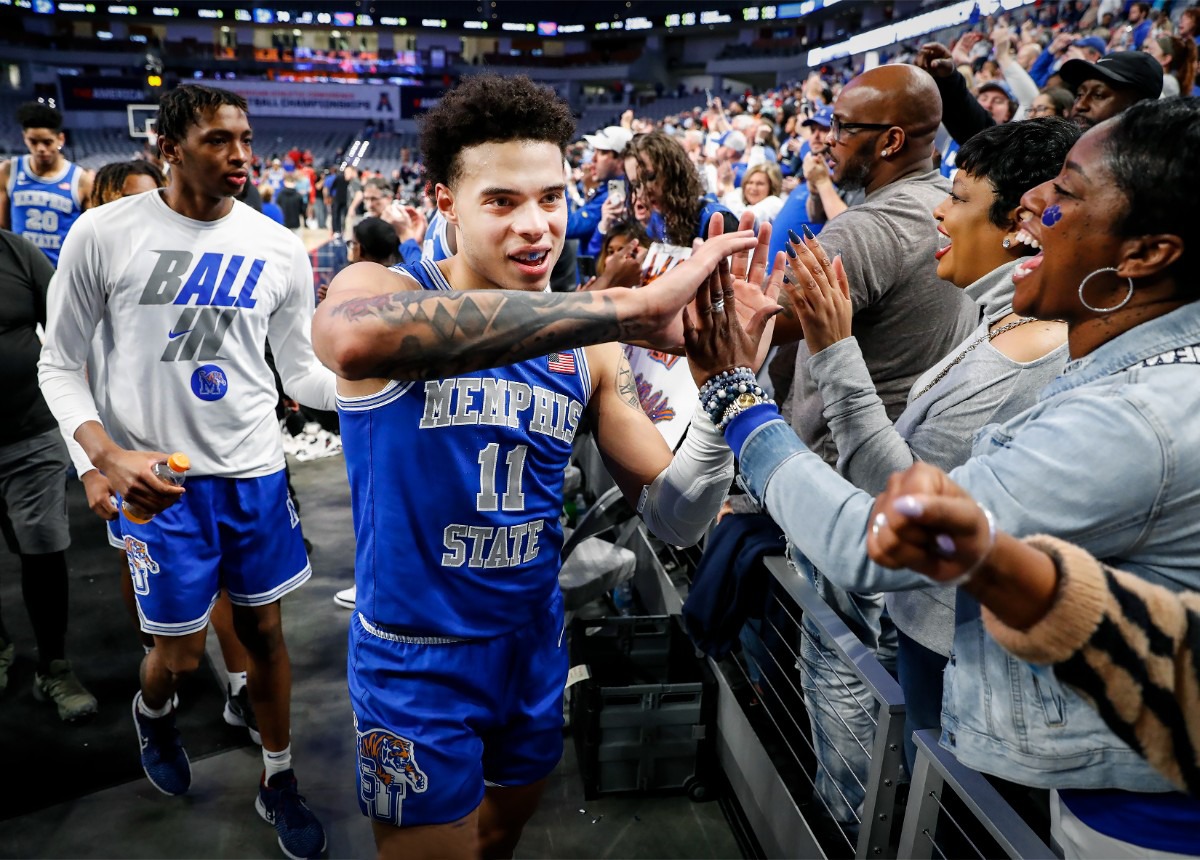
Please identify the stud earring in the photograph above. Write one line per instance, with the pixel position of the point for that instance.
(1007, 243)
(886, 153)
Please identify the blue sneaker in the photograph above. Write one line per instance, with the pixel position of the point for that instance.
(300, 834)
(164, 759)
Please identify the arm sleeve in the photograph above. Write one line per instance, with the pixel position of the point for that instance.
(75, 305)
(869, 448)
(961, 114)
(290, 334)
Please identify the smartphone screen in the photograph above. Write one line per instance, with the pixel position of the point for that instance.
(616, 190)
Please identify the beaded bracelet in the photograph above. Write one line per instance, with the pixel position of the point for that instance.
(730, 393)
(719, 391)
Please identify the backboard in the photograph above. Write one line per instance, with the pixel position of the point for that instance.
(141, 121)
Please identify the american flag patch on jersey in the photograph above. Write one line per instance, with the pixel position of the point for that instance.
(562, 362)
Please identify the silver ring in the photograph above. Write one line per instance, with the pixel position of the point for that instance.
(879, 522)
(718, 307)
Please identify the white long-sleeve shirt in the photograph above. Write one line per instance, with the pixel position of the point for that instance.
(186, 309)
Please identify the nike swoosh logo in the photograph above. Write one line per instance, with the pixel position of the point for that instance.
(171, 335)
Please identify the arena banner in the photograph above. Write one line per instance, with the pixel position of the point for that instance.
(92, 92)
(329, 101)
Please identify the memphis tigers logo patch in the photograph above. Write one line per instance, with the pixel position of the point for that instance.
(387, 769)
(141, 564)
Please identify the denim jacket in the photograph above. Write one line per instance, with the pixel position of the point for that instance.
(1106, 459)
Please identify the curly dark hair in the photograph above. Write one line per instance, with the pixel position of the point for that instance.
(1016, 156)
(109, 183)
(184, 105)
(660, 154)
(490, 109)
(39, 115)
(1143, 150)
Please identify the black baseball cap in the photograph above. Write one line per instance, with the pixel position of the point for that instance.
(1124, 70)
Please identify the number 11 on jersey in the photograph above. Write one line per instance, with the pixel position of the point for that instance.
(513, 498)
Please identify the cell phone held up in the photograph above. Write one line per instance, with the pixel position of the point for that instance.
(616, 190)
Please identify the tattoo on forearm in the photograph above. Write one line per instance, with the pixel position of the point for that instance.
(626, 385)
(435, 336)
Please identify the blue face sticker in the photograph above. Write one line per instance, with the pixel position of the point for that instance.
(209, 382)
(1052, 215)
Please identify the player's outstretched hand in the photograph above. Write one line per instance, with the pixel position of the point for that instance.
(659, 320)
(131, 473)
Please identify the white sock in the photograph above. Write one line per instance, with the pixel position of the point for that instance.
(237, 680)
(154, 713)
(276, 762)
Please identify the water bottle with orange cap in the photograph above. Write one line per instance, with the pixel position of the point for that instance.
(173, 471)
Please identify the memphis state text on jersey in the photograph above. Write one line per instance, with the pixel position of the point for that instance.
(498, 403)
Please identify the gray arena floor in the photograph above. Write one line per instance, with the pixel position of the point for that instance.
(217, 819)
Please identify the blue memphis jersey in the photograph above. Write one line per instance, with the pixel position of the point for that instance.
(456, 490)
(435, 247)
(43, 209)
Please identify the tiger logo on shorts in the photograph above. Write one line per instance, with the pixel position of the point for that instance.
(394, 758)
(141, 565)
(387, 768)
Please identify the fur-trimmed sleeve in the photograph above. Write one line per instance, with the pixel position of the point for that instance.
(1130, 647)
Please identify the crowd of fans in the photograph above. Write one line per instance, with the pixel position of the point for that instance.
(1042, 150)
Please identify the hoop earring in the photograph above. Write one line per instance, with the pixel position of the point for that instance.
(1118, 306)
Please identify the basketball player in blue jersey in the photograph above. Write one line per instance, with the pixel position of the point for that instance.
(41, 194)
(457, 661)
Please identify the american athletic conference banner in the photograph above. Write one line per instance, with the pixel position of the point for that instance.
(664, 384)
(331, 101)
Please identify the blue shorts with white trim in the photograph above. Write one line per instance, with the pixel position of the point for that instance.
(240, 534)
(438, 718)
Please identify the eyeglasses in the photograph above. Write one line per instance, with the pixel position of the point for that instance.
(837, 126)
(1040, 110)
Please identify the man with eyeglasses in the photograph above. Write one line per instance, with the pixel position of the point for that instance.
(880, 140)
(409, 224)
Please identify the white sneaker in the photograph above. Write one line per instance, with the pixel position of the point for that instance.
(345, 598)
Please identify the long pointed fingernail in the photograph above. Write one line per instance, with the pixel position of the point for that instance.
(794, 238)
(791, 252)
(809, 233)
(910, 506)
(945, 545)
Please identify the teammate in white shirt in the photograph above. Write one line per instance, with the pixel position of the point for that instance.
(189, 285)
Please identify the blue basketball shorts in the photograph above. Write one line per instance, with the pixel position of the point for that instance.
(240, 534)
(437, 718)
